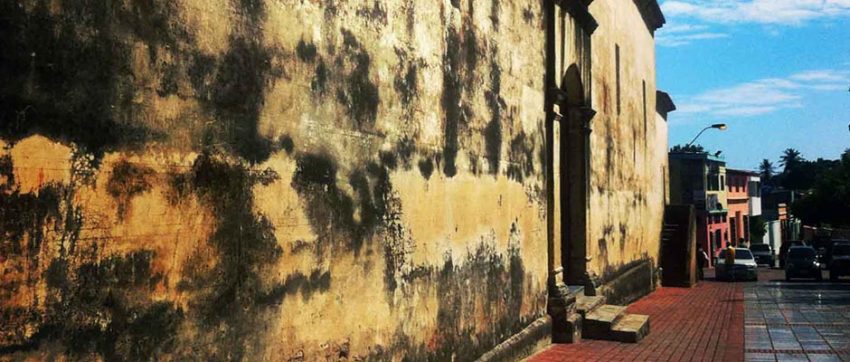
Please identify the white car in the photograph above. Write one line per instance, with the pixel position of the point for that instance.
(745, 267)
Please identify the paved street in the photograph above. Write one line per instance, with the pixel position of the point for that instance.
(797, 321)
(772, 320)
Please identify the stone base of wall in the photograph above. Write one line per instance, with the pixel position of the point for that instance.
(630, 283)
(535, 337)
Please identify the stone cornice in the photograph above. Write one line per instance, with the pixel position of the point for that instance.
(664, 104)
(578, 10)
(651, 13)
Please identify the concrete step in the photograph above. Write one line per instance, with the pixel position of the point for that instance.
(585, 304)
(574, 328)
(631, 328)
(599, 321)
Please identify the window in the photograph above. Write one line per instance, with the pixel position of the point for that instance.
(760, 247)
(714, 182)
(754, 189)
(801, 253)
(743, 254)
(617, 61)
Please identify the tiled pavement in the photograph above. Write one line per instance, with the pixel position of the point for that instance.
(700, 324)
(797, 321)
(772, 320)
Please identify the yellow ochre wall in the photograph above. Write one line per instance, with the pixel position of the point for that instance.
(627, 148)
(248, 179)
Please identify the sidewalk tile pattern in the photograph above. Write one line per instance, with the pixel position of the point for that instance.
(797, 321)
(704, 323)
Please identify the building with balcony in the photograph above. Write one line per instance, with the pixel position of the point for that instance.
(743, 192)
(699, 178)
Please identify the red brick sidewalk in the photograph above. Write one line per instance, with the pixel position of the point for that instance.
(705, 323)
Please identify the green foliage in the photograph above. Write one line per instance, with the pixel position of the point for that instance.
(687, 149)
(767, 171)
(827, 201)
(790, 158)
(757, 227)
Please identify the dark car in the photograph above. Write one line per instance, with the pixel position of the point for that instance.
(783, 250)
(839, 264)
(763, 253)
(802, 262)
(828, 244)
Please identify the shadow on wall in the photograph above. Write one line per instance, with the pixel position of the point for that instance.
(71, 78)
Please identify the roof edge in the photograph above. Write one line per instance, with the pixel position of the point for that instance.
(651, 13)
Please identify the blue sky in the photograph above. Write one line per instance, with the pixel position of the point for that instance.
(776, 71)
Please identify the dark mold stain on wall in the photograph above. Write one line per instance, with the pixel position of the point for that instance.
(232, 90)
(317, 282)
(493, 131)
(320, 79)
(451, 101)
(103, 307)
(376, 15)
(286, 144)
(360, 95)
(51, 85)
(230, 294)
(528, 14)
(255, 10)
(25, 217)
(331, 210)
(94, 305)
(406, 148)
(127, 181)
(426, 167)
(497, 283)
(407, 86)
(306, 51)
(495, 14)
(521, 157)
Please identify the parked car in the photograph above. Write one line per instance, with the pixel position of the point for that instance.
(763, 253)
(840, 262)
(745, 267)
(802, 262)
(783, 250)
(829, 245)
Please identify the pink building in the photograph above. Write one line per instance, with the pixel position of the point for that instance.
(738, 195)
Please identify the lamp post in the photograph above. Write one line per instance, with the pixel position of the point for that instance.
(720, 126)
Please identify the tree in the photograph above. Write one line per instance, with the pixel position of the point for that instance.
(767, 170)
(687, 149)
(827, 201)
(790, 158)
(757, 228)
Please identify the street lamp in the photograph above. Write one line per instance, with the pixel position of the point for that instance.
(720, 126)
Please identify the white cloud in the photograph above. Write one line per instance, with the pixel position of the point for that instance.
(764, 96)
(684, 38)
(694, 20)
(778, 12)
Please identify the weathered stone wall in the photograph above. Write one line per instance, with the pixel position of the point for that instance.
(281, 179)
(627, 188)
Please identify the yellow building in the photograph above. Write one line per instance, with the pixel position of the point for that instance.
(613, 175)
(303, 180)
